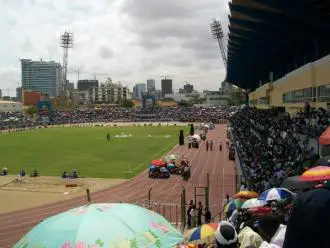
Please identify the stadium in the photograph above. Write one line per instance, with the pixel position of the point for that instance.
(279, 52)
(226, 177)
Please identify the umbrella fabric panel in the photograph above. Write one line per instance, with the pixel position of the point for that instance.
(295, 183)
(202, 233)
(254, 202)
(275, 194)
(118, 225)
(318, 173)
(246, 194)
(232, 205)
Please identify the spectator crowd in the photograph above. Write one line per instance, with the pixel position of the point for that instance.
(112, 114)
(272, 145)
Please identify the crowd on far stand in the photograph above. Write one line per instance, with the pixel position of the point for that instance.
(14, 120)
(272, 145)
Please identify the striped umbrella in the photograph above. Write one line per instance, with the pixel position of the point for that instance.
(232, 205)
(253, 203)
(246, 194)
(203, 233)
(275, 194)
(318, 173)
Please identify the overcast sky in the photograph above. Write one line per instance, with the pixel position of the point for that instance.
(131, 40)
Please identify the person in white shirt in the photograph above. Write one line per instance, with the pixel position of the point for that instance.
(192, 216)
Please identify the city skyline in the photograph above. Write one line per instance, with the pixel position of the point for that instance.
(172, 40)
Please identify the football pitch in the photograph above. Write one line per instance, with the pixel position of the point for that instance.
(53, 150)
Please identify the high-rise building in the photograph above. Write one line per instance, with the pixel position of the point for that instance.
(138, 90)
(42, 76)
(86, 84)
(187, 88)
(0, 94)
(151, 85)
(113, 93)
(166, 86)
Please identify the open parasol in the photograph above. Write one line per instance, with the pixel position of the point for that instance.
(203, 233)
(103, 225)
(318, 173)
(246, 194)
(159, 163)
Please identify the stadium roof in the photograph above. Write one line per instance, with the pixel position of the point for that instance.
(274, 36)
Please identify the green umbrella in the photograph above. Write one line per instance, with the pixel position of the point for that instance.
(103, 225)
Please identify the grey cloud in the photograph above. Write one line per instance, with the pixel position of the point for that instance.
(165, 29)
(171, 24)
(105, 52)
(155, 10)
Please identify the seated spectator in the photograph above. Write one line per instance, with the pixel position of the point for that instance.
(22, 172)
(4, 171)
(268, 226)
(247, 237)
(74, 173)
(64, 174)
(226, 236)
(34, 173)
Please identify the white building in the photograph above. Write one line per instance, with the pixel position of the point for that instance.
(108, 92)
(178, 97)
(227, 87)
(217, 98)
(7, 106)
(83, 97)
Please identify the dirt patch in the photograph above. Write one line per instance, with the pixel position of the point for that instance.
(21, 193)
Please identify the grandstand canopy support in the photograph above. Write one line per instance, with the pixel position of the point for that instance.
(274, 36)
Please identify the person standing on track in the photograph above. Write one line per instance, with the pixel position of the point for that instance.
(220, 147)
(207, 145)
(199, 214)
(211, 145)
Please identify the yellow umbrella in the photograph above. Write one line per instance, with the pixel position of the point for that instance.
(202, 234)
(247, 194)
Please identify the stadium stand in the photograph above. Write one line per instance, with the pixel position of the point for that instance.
(278, 51)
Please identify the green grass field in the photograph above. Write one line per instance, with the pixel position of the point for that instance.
(54, 150)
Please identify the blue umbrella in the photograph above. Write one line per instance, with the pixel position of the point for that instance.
(152, 167)
(276, 194)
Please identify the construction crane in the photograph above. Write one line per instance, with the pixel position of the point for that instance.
(79, 72)
(100, 74)
(166, 77)
(218, 34)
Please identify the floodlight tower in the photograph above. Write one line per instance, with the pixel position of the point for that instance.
(66, 43)
(217, 33)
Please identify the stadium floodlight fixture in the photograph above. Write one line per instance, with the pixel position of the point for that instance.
(218, 34)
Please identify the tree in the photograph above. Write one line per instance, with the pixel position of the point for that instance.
(31, 110)
(127, 104)
(168, 99)
(184, 103)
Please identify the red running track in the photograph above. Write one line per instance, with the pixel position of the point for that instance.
(222, 180)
